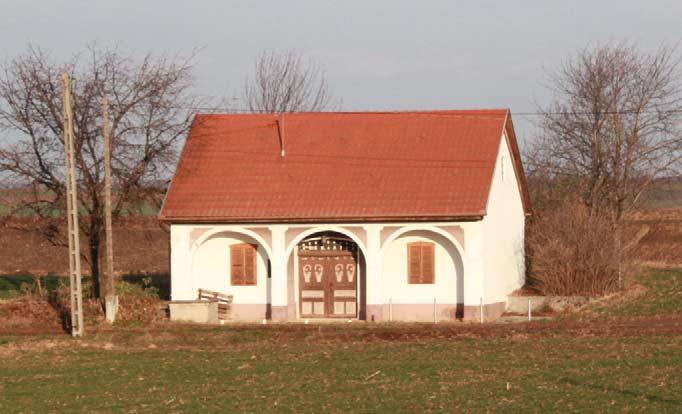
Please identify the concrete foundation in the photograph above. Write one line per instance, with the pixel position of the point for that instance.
(197, 311)
(111, 308)
(519, 304)
(491, 312)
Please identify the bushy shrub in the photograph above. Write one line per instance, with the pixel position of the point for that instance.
(124, 288)
(138, 302)
(573, 252)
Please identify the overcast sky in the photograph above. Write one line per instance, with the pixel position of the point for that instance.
(378, 54)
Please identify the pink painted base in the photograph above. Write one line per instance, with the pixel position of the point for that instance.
(491, 312)
(424, 312)
(249, 312)
(374, 313)
(279, 313)
(419, 312)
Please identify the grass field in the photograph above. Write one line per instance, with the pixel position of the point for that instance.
(662, 295)
(12, 286)
(251, 372)
(624, 358)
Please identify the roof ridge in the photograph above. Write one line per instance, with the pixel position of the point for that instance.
(449, 112)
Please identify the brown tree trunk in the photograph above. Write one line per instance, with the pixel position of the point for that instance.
(94, 245)
(618, 242)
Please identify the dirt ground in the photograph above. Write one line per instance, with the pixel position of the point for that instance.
(662, 244)
(174, 336)
(29, 315)
(141, 246)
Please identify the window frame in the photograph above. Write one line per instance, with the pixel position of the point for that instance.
(422, 278)
(244, 279)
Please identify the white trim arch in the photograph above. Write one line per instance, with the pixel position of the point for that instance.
(417, 227)
(320, 229)
(237, 230)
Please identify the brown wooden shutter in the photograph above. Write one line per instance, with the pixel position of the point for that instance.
(420, 263)
(413, 262)
(237, 264)
(243, 264)
(427, 273)
(250, 264)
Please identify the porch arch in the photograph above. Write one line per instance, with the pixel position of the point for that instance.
(321, 229)
(432, 229)
(216, 231)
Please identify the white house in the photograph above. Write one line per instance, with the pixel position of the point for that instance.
(410, 216)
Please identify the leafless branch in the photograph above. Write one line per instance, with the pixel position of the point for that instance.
(615, 123)
(150, 113)
(287, 83)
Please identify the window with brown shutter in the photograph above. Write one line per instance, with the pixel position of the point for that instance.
(243, 264)
(420, 263)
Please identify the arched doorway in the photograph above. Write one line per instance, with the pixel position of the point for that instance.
(213, 268)
(328, 276)
(443, 296)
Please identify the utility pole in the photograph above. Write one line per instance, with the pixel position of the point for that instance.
(110, 298)
(72, 214)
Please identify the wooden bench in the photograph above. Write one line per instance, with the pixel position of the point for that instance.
(224, 302)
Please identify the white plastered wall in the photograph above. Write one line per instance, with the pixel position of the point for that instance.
(204, 262)
(182, 283)
(503, 232)
(448, 268)
(211, 269)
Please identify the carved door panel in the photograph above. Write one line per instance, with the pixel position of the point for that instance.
(328, 284)
(312, 285)
(342, 300)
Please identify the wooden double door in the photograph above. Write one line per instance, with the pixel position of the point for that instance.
(328, 281)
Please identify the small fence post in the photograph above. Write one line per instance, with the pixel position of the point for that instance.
(435, 311)
(529, 311)
(390, 309)
(481, 312)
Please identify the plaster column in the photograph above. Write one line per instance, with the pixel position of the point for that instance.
(474, 272)
(278, 282)
(374, 308)
(182, 282)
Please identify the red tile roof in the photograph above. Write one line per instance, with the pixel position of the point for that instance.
(338, 167)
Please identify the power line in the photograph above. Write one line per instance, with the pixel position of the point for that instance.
(441, 112)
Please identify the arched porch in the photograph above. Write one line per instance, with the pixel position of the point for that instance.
(213, 254)
(326, 275)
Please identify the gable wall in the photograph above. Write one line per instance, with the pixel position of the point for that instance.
(503, 232)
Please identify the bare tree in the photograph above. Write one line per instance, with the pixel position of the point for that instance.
(286, 83)
(149, 113)
(615, 124)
